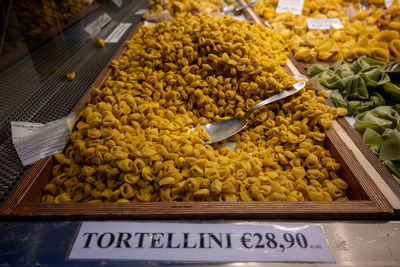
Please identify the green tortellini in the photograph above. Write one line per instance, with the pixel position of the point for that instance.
(359, 86)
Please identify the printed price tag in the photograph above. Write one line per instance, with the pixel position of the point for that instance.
(200, 242)
(117, 33)
(140, 11)
(294, 6)
(323, 24)
(34, 141)
(388, 3)
(95, 27)
(118, 3)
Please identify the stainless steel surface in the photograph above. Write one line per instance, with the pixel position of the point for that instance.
(223, 129)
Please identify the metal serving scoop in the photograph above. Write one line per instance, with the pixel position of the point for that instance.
(221, 130)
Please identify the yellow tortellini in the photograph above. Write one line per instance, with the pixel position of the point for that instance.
(133, 142)
(373, 32)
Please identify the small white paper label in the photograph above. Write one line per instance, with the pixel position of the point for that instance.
(323, 24)
(149, 23)
(140, 11)
(118, 3)
(34, 141)
(294, 6)
(90, 1)
(200, 242)
(388, 3)
(95, 27)
(117, 33)
(350, 120)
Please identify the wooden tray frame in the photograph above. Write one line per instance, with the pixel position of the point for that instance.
(369, 203)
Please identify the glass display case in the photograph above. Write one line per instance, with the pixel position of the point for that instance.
(52, 54)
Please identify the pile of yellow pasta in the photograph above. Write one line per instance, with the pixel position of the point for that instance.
(132, 142)
(373, 32)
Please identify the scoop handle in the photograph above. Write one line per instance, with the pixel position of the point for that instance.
(245, 6)
(285, 93)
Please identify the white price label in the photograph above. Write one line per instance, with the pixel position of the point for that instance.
(34, 141)
(149, 23)
(293, 6)
(388, 3)
(140, 11)
(323, 24)
(200, 242)
(118, 3)
(95, 27)
(117, 33)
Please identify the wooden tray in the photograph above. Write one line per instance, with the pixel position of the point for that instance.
(384, 180)
(366, 200)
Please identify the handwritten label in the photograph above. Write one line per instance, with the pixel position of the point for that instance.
(323, 24)
(118, 3)
(293, 6)
(34, 141)
(200, 242)
(117, 33)
(95, 27)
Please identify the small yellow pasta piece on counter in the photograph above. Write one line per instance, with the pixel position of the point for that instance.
(71, 76)
(100, 43)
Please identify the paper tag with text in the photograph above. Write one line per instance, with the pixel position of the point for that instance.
(34, 141)
(95, 27)
(293, 6)
(117, 33)
(200, 242)
(324, 24)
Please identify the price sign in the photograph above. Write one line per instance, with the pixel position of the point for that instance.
(324, 24)
(34, 141)
(95, 27)
(200, 242)
(117, 33)
(293, 6)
